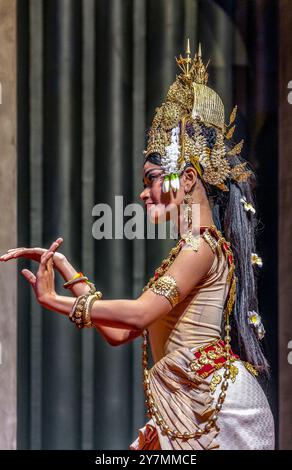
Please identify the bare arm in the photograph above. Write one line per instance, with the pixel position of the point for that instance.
(188, 269)
(114, 336)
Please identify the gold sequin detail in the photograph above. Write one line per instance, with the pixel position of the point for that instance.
(216, 379)
(166, 286)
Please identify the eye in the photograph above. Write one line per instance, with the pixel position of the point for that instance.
(150, 178)
(153, 177)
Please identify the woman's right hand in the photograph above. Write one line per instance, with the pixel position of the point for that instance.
(60, 263)
(114, 336)
(34, 254)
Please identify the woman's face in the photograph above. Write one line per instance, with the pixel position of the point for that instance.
(160, 206)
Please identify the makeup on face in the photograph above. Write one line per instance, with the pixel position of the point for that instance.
(150, 175)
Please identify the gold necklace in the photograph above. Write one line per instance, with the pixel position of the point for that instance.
(153, 411)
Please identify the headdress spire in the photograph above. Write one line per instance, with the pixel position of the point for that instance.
(185, 63)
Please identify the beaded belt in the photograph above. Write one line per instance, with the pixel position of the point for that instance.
(210, 357)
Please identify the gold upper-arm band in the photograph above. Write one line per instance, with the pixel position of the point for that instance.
(166, 285)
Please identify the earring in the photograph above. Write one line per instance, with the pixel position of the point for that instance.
(187, 210)
(187, 223)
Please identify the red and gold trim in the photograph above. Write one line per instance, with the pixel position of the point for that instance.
(210, 358)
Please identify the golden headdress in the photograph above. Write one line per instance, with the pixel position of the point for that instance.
(189, 127)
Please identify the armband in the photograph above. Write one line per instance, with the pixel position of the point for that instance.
(166, 285)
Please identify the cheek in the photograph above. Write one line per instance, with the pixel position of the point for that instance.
(156, 192)
(156, 211)
(165, 205)
(159, 197)
(174, 198)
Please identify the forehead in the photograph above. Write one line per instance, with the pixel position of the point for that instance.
(150, 166)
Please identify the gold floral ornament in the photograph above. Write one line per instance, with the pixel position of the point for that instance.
(189, 127)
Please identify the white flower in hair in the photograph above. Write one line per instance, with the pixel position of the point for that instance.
(255, 319)
(255, 259)
(247, 206)
(169, 162)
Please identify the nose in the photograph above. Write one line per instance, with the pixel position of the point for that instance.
(144, 194)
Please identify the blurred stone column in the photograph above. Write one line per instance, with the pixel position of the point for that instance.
(8, 225)
(285, 225)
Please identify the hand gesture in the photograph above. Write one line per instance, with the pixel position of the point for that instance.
(43, 283)
(34, 254)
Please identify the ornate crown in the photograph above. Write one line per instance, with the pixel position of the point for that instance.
(189, 127)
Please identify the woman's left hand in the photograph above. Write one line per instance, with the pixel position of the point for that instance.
(43, 283)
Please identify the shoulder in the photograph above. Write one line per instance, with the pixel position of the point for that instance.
(187, 271)
(191, 265)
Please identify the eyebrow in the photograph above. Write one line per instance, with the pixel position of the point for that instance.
(148, 171)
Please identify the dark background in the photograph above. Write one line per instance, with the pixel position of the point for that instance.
(90, 75)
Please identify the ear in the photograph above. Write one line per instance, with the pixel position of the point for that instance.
(190, 176)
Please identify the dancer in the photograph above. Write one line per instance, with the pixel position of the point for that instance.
(200, 309)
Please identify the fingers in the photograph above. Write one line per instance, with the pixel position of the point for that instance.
(49, 254)
(29, 276)
(22, 252)
(18, 248)
(26, 252)
(13, 253)
(55, 245)
(5, 256)
(48, 258)
(10, 250)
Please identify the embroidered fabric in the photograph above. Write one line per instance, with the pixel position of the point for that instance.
(184, 399)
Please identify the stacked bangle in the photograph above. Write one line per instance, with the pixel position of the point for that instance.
(87, 323)
(80, 313)
(92, 289)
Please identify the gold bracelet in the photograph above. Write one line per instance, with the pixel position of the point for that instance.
(86, 318)
(80, 312)
(166, 286)
(92, 289)
(76, 313)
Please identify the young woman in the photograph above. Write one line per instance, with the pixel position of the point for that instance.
(201, 395)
